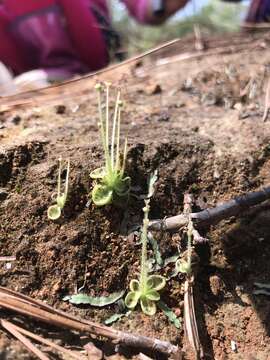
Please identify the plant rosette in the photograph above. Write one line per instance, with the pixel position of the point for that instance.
(147, 294)
(109, 187)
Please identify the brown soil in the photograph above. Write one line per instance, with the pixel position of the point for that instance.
(200, 124)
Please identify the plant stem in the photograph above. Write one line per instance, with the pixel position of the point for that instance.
(124, 158)
(59, 178)
(144, 265)
(107, 114)
(118, 140)
(67, 178)
(103, 136)
(114, 126)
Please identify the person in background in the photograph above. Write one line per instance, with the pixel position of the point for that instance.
(259, 10)
(43, 41)
(54, 40)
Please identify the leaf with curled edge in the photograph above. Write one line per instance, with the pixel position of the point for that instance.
(79, 299)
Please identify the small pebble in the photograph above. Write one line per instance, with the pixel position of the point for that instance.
(233, 346)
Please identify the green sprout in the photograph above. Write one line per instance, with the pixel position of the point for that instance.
(110, 182)
(146, 289)
(54, 211)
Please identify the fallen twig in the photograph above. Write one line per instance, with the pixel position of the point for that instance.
(212, 216)
(190, 320)
(51, 344)
(7, 258)
(199, 42)
(191, 327)
(38, 310)
(71, 88)
(266, 102)
(202, 53)
(27, 343)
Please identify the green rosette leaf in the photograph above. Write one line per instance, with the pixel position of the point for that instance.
(152, 295)
(122, 186)
(54, 212)
(148, 306)
(132, 299)
(183, 266)
(99, 173)
(156, 282)
(134, 285)
(102, 195)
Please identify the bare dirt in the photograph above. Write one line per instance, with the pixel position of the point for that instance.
(199, 122)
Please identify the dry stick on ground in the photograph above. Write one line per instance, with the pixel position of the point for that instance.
(267, 102)
(208, 52)
(212, 216)
(191, 327)
(38, 310)
(47, 342)
(7, 258)
(27, 343)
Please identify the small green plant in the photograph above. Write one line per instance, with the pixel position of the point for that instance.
(54, 211)
(146, 289)
(110, 182)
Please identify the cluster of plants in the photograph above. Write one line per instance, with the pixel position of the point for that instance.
(112, 186)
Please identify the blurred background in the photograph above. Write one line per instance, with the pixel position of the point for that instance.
(212, 15)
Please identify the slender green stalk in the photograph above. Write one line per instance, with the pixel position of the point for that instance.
(117, 161)
(103, 133)
(54, 211)
(124, 158)
(146, 289)
(107, 113)
(59, 177)
(67, 178)
(144, 265)
(114, 126)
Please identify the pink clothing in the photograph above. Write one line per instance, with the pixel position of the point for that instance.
(63, 37)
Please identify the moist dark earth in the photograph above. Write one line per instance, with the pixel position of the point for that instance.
(199, 122)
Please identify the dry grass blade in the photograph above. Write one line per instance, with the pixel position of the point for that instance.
(210, 52)
(7, 258)
(267, 102)
(51, 344)
(190, 320)
(27, 343)
(72, 88)
(36, 309)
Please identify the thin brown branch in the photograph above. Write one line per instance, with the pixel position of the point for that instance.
(7, 258)
(191, 327)
(190, 320)
(266, 102)
(210, 52)
(212, 216)
(38, 310)
(27, 343)
(49, 343)
(71, 88)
